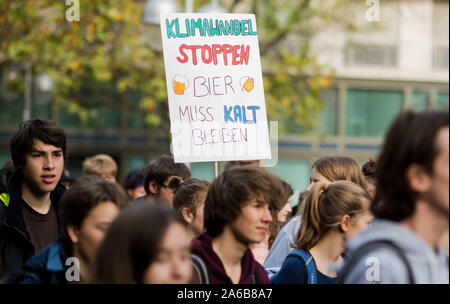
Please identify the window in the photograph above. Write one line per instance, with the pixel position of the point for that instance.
(136, 115)
(440, 59)
(442, 101)
(74, 164)
(39, 110)
(106, 118)
(12, 113)
(136, 120)
(371, 54)
(328, 124)
(135, 162)
(369, 113)
(419, 101)
(203, 170)
(296, 173)
(328, 117)
(376, 43)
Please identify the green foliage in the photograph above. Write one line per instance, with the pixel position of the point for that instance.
(103, 60)
(99, 61)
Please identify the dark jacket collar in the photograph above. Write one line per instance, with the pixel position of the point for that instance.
(13, 214)
(202, 246)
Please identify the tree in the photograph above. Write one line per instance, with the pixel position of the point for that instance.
(103, 60)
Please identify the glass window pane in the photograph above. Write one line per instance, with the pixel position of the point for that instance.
(369, 113)
(442, 101)
(135, 162)
(203, 170)
(419, 101)
(14, 111)
(136, 115)
(67, 119)
(329, 116)
(41, 104)
(41, 111)
(106, 118)
(291, 127)
(296, 173)
(136, 120)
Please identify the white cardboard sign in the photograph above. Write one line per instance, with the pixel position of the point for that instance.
(215, 87)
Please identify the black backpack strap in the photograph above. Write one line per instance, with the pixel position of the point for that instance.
(200, 268)
(362, 251)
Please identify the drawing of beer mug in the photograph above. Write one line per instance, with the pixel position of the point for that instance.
(247, 83)
(179, 84)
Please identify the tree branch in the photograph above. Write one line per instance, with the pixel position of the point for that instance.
(265, 47)
(234, 4)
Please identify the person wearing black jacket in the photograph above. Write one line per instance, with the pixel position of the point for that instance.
(85, 212)
(30, 192)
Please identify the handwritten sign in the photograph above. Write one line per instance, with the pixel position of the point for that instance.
(215, 87)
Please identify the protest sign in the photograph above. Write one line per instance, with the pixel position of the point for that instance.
(215, 87)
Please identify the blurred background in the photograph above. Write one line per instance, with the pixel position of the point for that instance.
(335, 74)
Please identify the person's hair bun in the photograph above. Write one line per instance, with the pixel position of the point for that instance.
(174, 182)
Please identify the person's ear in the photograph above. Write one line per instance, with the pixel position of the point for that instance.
(345, 223)
(187, 215)
(153, 186)
(417, 178)
(72, 233)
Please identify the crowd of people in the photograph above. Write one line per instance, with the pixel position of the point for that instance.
(384, 222)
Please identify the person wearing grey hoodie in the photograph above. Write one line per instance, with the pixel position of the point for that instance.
(411, 207)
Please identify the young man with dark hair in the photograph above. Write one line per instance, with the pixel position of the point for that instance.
(411, 206)
(239, 208)
(85, 211)
(156, 176)
(30, 192)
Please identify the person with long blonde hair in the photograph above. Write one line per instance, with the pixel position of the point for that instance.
(333, 213)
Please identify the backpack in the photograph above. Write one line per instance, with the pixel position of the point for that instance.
(369, 247)
(307, 258)
(202, 270)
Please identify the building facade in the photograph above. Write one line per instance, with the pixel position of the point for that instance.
(399, 61)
